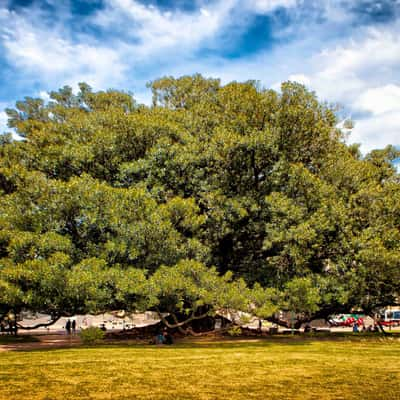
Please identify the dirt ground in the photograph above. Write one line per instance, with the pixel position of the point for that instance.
(44, 342)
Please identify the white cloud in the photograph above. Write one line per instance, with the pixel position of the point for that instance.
(266, 6)
(301, 78)
(134, 37)
(362, 75)
(364, 58)
(50, 53)
(154, 30)
(377, 131)
(3, 122)
(44, 95)
(204, 12)
(380, 100)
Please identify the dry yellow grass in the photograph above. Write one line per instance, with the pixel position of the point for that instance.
(291, 369)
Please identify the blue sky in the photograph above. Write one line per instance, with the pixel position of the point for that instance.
(347, 51)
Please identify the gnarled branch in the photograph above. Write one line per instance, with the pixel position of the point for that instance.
(179, 325)
(43, 325)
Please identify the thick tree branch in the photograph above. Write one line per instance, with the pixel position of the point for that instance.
(44, 325)
(179, 325)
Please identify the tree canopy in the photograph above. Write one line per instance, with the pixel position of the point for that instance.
(216, 196)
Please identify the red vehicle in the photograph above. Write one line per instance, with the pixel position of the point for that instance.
(347, 320)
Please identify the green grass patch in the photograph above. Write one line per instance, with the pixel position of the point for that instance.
(297, 368)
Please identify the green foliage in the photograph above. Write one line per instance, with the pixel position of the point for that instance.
(302, 296)
(91, 335)
(234, 331)
(264, 301)
(107, 204)
(190, 290)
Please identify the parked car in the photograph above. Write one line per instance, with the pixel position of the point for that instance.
(346, 320)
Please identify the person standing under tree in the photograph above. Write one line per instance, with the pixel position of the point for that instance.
(68, 327)
(73, 325)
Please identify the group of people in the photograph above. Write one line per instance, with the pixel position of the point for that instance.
(9, 327)
(163, 337)
(371, 328)
(70, 327)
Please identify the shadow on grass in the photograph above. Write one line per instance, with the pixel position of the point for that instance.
(11, 339)
(241, 342)
(246, 342)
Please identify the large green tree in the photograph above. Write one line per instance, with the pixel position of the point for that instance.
(108, 204)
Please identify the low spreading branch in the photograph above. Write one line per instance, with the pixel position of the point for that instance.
(180, 324)
(42, 325)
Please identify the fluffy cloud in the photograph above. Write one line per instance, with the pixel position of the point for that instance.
(305, 80)
(266, 6)
(152, 30)
(39, 50)
(129, 41)
(127, 38)
(365, 60)
(3, 121)
(377, 131)
(361, 75)
(380, 100)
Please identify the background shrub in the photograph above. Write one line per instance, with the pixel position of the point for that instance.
(91, 335)
(235, 331)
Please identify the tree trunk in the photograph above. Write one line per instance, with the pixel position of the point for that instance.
(378, 322)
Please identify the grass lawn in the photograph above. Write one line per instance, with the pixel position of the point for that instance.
(291, 368)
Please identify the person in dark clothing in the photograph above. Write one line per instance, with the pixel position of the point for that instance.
(167, 337)
(68, 327)
(15, 328)
(159, 339)
(73, 326)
